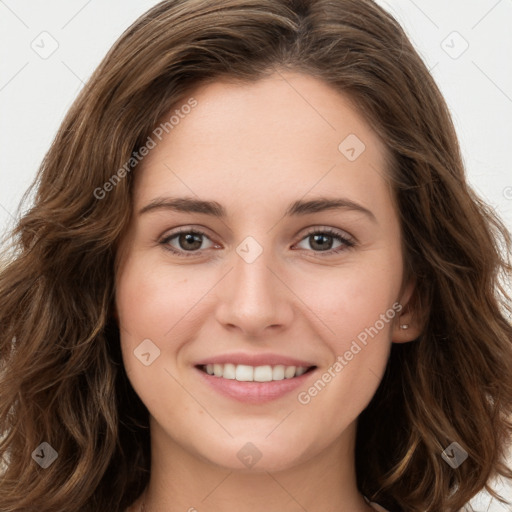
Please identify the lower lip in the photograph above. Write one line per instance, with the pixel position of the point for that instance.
(254, 392)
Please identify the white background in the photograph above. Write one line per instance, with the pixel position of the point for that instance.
(36, 92)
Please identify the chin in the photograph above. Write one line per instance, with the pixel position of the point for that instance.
(256, 456)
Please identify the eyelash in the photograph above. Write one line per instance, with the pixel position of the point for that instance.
(348, 243)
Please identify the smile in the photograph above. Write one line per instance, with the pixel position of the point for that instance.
(253, 384)
(247, 373)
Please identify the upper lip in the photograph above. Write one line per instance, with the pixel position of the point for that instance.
(255, 360)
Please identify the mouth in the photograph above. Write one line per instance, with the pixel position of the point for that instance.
(256, 385)
(247, 373)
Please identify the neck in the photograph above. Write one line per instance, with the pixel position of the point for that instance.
(183, 481)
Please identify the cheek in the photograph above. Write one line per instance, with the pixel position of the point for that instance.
(356, 316)
(152, 303)
(151, 300)
(353, 297)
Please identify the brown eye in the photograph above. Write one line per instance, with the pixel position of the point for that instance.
(187, 241)
(321, 240)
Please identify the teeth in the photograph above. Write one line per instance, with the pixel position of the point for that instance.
(263, 373)
(229, 371)
(289, 372)
(278, 372)
(300, 370)
(245, 373)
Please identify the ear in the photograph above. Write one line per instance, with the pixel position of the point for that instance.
(409, 322)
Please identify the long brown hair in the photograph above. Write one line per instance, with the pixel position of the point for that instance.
(62, 380)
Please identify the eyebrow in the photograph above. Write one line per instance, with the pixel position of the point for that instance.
(215, 209)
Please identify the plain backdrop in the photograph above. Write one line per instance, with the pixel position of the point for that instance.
(49, 49)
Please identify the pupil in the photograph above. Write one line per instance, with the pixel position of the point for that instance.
(316, 237)
(189, 238)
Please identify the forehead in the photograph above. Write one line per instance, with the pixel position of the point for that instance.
(285, 135)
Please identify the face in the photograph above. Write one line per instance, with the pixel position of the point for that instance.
(279, 287)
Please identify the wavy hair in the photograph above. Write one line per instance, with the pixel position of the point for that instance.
(62, 380)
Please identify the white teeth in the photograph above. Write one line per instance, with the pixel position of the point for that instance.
(300, 370)
(278, 372)
(263, 373)
(229, 371)
(246, 373)
(289, 372)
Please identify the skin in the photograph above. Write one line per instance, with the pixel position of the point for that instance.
(256, 148)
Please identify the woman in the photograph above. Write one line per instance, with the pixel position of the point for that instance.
(334, 338)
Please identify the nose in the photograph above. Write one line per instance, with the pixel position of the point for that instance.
(254, 297)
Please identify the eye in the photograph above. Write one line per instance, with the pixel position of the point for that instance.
(188, 240)
(322, 239)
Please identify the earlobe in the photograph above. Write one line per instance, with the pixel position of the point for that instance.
(407, 327)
